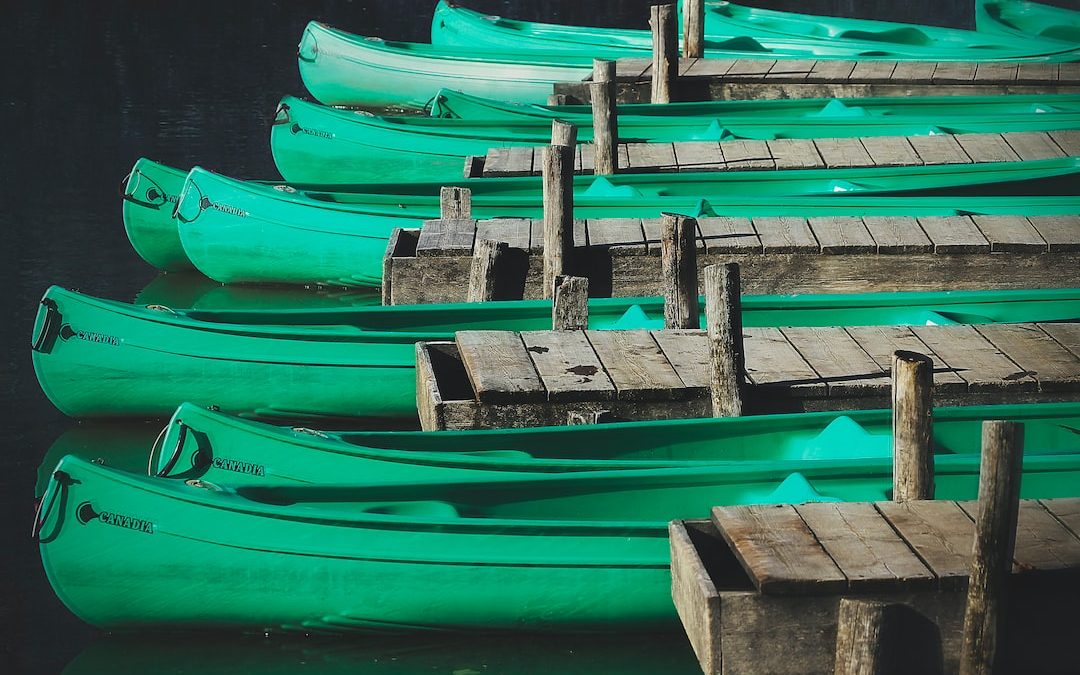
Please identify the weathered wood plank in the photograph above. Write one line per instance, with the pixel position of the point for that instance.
(792, 70)
(499, 367)
(746, 155)
(880, 342)
(1032, 144)
(446, 237)
(729, 235)
(1043, 544)
(831, 71)
(990, 71)
(865, 547)
(632, 68)
(1068, 141)
(1037, 72)
(536, 233)
(772, 362)
(872, 71)
(777, 549)
(839, 360)
(699, 156)
(891, 151)
(625, 233)
(651, 157)
(514, 231)
(710, 67)
(954, 234)
(1038, 354)
(975, 359)
(1067, 335)
(521, 160)
(688, 353)
(652, 229)
(955, 72)
(1062, 233)
(795, 153)
(635, 364)
(939, 149)
(1013, 234)
(843, 152)
(986, 148)
(898, 234)
(1067, 512)
(568, 366)
(786, 234)
(913, 71)
(842, 234)
(939, 532)
(749, 69)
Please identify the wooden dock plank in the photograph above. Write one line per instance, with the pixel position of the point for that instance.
(749, 69)
(771, 361)
(954, 72)
(651, 157)
(777, 549)
(843, 152)
(881, 341)
(1068, 141)
(1038, 354)
(1013, 234)
(568, 366)
(786, 234)
(939, 532)
(446, 237)
(514, 231)
(688, 353)
(990, 71)
(698, 155)
(499, 367)
(1037, 72)
(1032, 144)
(873, 71)
(831, 71)
(842, 234)
(891, 151)
(1062, 233)
(791, 69)
(865, 547)
(746, 155)
(913, 71)
(968, 353)
(710, 67)
(652, 228)
(521, 161)
(939, 149)
(536, 233)
(621, 232)
(729, 235)
(635, 364)
(795, 153)
(1067, 511)
(954, 234)
(1043, 544)
(898, 234)
(839, 360)
(632, 68)
(986, 148)
(1067, 335)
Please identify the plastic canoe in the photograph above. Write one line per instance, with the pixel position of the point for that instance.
(1016, 18)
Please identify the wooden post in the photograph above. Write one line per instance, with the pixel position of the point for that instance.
(665, 59)
(694, 29)
(485, 265)
(912, 423)
(678, 271)
(556, 99)
(455, 203)
(605, 118)
(558, 182)
(723, 319)
(995, 538)
(570, 307)
(863, 630)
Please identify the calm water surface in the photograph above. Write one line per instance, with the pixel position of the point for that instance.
(87, 88)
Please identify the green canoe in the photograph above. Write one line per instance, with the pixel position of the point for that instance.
(1016, 18)
(199, 443)
(242, 231)
(572, 552)
(756, 33)
(312, 143)
(97, 358)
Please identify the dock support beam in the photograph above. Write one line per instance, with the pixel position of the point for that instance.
(912, 421)
(485, 266)
(863, 632)
(995, 539)
(723, 319)
(605, 118)
(665, 58)
(455, 203)
(558, 182)
(694, 29)
(570, 304)
(678, 271)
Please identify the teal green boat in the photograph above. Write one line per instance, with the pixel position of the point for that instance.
(242, 231)
(312, 143)
(754, 32)
(1017, 18)
(201, 444)
(99, 358)
(586, 551)
(150, 192)
(192, 290)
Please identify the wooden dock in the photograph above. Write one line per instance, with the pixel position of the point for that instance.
(710, 79)
(493, 379)
(758, 587)
(792, 153)
(621, 257)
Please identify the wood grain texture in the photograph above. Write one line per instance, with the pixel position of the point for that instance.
(839, 361)
(635, 364)
(1037, 354)
(954, 234)
(842, 234)
(498, 366)
(939, 532)
(1013, 234)
(881, 342)
(939, 149)
(568, 366)
(972, 357)
(771, 361)
(795, 153)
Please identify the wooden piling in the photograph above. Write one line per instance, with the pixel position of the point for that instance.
(678, 271)
(570, 304)
(605, 118)
(694, 29)
(558, 184)
(557, 99)
(665, 57)
(912, 422)
(995, 538)
(862, 637)
(723, 319)
(485, 265)
(455, 203)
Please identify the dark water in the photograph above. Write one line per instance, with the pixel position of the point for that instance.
(87, 88)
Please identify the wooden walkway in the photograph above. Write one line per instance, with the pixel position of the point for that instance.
(785, 567)
(621, 257)
(826, 153)
(494, 379)
(720, 79)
